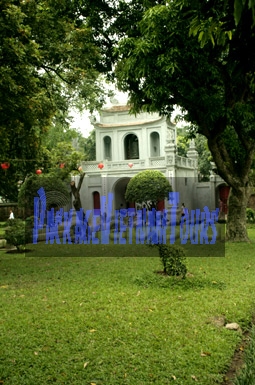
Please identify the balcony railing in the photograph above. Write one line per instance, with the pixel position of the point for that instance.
(156, 162)
(124, 164)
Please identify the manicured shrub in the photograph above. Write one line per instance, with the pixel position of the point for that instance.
(173, 260)
(17, 234)
(148, 188)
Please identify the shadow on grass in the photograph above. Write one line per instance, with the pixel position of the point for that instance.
(126, 250)
(158, 280)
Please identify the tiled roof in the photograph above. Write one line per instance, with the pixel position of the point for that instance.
(117, 108)
(124, 124)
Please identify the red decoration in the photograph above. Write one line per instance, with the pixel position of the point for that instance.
(5, 165)
(100, 166)
(62, 165)
(130, 165)
(38, 172)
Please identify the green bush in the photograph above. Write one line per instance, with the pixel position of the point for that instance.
(17, 234)
(148, 187)
(56, 191)
(173, 260)
(250, 215)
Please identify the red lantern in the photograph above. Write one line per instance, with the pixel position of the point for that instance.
(62, 165)
(38, 172)
(130, 165)
(5, 165)
(100, 166)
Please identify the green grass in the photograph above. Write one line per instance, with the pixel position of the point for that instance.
(247, 373)
(111, 320)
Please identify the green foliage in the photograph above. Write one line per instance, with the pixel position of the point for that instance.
(204, 155)
(182, 145)
(17, 234)
(89, 146)
(65, 156)
(173, 260)
(56, 190)
(196, 79)
(204, 158)
(161, 64)
(47, 64)
(250, 215)
(148, 187)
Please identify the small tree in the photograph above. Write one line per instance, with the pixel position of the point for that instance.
(18, 234)
(148, 188)
(173, 260)
(56, 191)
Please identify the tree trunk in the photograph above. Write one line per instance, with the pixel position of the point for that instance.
(76, 193)
(236, 174)
(236, 222)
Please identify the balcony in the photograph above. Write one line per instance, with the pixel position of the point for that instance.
(138, 164)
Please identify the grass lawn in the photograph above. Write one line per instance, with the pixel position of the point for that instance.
(111, 320)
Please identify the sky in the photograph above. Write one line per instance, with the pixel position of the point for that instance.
(82, 121)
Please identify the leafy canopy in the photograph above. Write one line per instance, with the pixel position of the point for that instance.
(48, 62)
(56, 191)
(148, 187)
(163, 66)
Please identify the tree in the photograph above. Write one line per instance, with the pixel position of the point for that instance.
(204, 155)
(48, 63)
(17, 234)
(56, 191)
(76, 192)
(89, 145)
(162, 64)
(148, 187)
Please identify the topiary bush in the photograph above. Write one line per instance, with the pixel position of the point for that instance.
(173, 260)
(148, 187)
(17, 234)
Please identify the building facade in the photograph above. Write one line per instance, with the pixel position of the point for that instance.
(127, 144)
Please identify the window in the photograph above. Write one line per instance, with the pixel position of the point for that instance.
(107, 148)
(131, 147)
(154, 144)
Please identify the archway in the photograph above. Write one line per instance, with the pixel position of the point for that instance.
(107, 148)
(223, 193)
(154, 144)
(119, 190)
(131, 147)
(96, 202)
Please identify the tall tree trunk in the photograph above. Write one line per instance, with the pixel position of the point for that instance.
(76, 192)
(237, 176)
(236, 222)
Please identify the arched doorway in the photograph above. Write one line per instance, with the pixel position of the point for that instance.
(107, 148)
(161, 205)
(154, 144)
(223, 197)
(96, 202)
(131, 147)
(119, 191)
